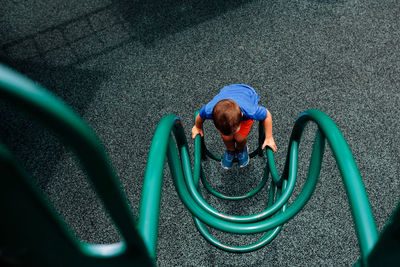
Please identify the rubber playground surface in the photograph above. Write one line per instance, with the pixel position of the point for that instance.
(123, 65)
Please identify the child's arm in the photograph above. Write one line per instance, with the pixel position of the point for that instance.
(198, 127)
(269, 139)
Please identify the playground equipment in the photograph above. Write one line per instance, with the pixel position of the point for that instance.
(46, 240)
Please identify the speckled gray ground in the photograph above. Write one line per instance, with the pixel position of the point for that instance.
(123, 65)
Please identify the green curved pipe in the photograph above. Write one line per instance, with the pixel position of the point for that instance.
(196, 195)
(74, 132)
(186, 188)
(240, 197)
(52, 113)
(264, 240)
(237, 227)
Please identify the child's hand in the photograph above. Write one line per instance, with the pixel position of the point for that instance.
(270, 142)
(196, 131)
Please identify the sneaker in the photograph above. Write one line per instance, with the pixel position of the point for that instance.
(243, 157)
(227, 159)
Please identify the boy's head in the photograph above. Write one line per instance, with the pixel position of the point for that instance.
(227, 116)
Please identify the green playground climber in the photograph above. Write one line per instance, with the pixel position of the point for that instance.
(233, 111)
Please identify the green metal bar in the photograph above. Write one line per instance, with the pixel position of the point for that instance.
(202, 211)
(198, 172)
(308, 188)
(151, 193)
(386, 250)
(264, 225)
(256, 217)
(271, 164)
(361, 210)
(240, 197)
(21, 203)
(264, 240)
(176, 171)
(66, 124)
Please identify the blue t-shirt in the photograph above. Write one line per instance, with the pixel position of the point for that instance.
(244, 96)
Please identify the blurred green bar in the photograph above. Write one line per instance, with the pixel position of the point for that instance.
(32, 222)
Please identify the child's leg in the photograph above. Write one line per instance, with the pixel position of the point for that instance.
(229, 155)
(229, 142)
(240, 140)
(241, 136)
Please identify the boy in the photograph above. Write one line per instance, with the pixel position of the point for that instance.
(233, 111)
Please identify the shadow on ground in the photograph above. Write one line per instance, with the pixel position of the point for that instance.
(156, 19)
(105, 29)
(52, 57)
(35, 146)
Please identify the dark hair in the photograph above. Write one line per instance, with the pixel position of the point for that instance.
(227, 116)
